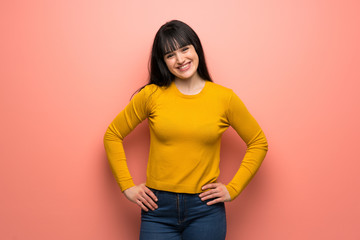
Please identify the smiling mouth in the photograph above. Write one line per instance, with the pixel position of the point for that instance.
(184, 67)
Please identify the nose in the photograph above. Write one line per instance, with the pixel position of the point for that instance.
(179, 58)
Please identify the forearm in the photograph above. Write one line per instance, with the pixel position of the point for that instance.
(254, 156)
(117, 159)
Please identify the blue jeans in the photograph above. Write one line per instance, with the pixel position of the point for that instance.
(182, 216)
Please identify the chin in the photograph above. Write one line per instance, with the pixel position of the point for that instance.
(186, 76)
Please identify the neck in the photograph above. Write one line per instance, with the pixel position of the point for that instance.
(190, 84)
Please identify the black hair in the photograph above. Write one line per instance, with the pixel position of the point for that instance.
(171, 36)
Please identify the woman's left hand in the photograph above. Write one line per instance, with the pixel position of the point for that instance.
(217, 191)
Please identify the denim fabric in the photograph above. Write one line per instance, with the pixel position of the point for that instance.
(181, 216)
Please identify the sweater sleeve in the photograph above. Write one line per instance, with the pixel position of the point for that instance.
(249, 130)
(133, 114)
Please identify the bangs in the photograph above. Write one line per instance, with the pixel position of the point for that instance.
(173, 41)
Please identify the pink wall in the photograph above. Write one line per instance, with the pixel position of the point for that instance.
(68, 67)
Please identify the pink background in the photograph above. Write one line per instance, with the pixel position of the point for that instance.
(68, 68)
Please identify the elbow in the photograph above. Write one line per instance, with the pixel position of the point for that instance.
(263, 142)
(106, 137)
(112, 135)
(259, 142)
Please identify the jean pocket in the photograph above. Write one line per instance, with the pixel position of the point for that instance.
(204, 203)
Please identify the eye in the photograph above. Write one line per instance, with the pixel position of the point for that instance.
(185, 49)
(169, 55)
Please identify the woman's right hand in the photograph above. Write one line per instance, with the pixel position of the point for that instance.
(142, 196)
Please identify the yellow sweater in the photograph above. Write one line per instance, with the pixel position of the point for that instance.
(185, 135)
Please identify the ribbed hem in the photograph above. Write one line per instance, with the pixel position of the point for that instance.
(127, 184)
(232, 192)
(178, 188)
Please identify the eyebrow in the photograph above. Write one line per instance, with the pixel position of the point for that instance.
(175, 49)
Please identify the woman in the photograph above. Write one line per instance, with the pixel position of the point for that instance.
(187, 113)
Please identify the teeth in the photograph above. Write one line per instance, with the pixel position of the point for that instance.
(184, 66)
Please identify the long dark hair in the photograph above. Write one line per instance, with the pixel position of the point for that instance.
(171, 36)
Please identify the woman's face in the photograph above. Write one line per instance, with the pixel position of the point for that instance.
(183, 62)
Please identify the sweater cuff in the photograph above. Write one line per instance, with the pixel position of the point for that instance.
(233, 193)
(126, 184)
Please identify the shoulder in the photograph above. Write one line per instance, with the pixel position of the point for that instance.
(220, 90)
(150, 94)
(220, 87)
(150, 89)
